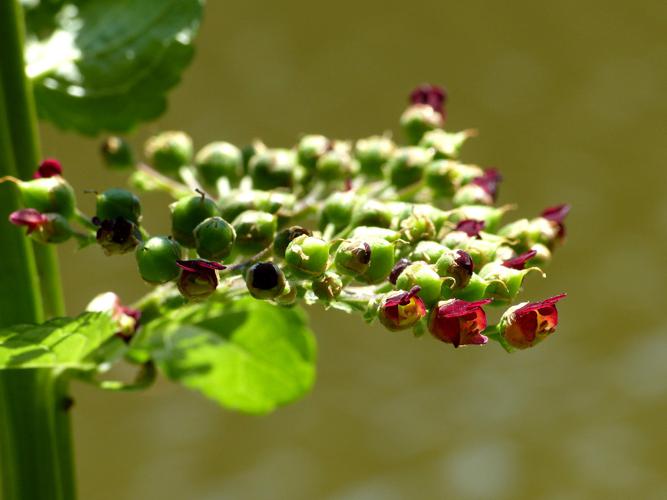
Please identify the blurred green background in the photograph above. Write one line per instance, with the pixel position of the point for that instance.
(569, 99)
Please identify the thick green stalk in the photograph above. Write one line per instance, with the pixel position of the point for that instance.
(20, 107)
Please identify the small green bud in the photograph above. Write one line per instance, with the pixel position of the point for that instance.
(427, 251)
(219, 159)
(371, 213)
(117, 153)
(518, 233)
(407, 166)
(417, 228)
(116, 202)
(251, 150)
(382, 261)
(455, 239)
(264, 201)
(353, 257)
(337, 209)
(328, 286)
(424, 276)
(187, 214)
(440, 176)
(169, 151)
(254, 231)
(372, 154)
(214, 238)
(366, 232)
(265, 280)
(446, 145)
(418, 119)
(455, 264)
(53, 228)
(156, 259)
(284, 238)
(307, 256)
(272, 169)
(481, 251)
(472, 194)
(336, 164)
(311, 148)
(49, 195)
(490, 215)
(473, 291)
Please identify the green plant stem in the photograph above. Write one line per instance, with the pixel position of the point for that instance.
(24, 135)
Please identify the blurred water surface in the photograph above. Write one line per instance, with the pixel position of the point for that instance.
(569, 98)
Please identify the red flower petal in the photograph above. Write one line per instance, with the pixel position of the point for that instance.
(471, 227)
(48, 168)
(519, 262)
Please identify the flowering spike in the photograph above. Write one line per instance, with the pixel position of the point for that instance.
(527, 324)
(48, 168)
(519, 262)
(459, 322)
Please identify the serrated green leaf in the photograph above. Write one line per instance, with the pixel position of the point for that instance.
(64, 343)
(247, 355)
(109, 63)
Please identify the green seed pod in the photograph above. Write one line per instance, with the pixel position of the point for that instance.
(285, 237)
(418, 119)
(440, 176)
(473, 291)
(187, 214)
(424, 276)
(219, 159)
(337, 209)
(427, 251)
(372, 213)
(156, 259)
(49, 195)
(481, 251)
(307, 256)
(251, 150)
(353, 257)
(336, 163)
(382, 261)
(417, 228)
(490, 215)
(366, 232)
(401, 211)
(254, 231)
(407, 166)
(169, 151)
(276, 201)
(372, 154)
(116, 202)
(273, 168)
(310, 149)
(518, 233)
(55, 229)
(328, 286)
(455, 239)
(117, 153)
(472, 194)
(214, 238)
(445, 145)
(265, 280)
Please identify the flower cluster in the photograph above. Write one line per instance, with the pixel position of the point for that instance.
(408, 234)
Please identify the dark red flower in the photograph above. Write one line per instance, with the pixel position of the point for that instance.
(48, 168)
(471, 227)
(398, 268)
(556, 215)
(198, 278)
(432, 95)
(464, 261)
(519, 262)
(527, 324)
(116, 236)
(459, 322)
(489, 181)
(28, 217)
(402, 310)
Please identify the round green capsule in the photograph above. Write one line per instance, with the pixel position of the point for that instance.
(156, 259)
(169, 151)
(116, 202)
(219, 159)
(265, 280)
(382, 261)
(49, 195)
(214, 238)
(187, 214)
(427, 251)
(472, 194)
(336, 164)
(55, 230)
(372, 154)
(311, 148)
(273, 168)
(372, 213)
(254, 231)
(407, 166)
(117, 153)
(418, 119)
(327, 287)
(353, 257)
(337, 209)
(423, 275)
(307, 256)
(285, 237)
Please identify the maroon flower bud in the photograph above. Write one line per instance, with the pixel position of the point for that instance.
(432, 95)
(519, 262)
(28, 217)
(198, 278)
(48, 168)
(459, 322)
(489, 181)
(398, 268)
(524, 325)
(116, 236)
(126, 318)
(401, 310)
(556, 215)
(456, 264)
(471, 227)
